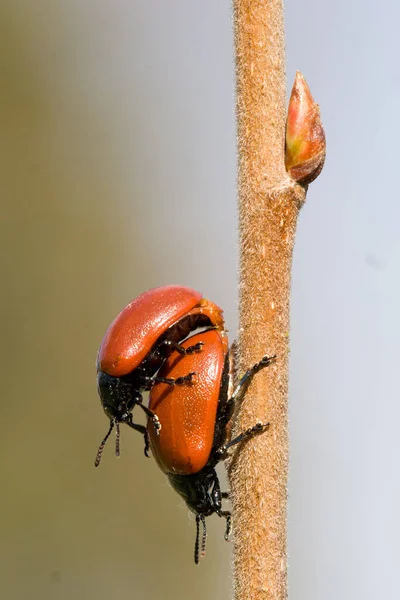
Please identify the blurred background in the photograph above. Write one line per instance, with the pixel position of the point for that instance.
(118, 174)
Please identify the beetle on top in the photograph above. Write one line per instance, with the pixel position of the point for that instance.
(137, 343)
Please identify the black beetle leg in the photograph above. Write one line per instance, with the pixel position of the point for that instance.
(152, 416)
(245, 381)
(241, 388)
(178, 381)
(257, 428)
(228, 517)
(170, 346)
(216, 496)
(141, 429)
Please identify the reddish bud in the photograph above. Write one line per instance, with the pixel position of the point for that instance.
(305, 137)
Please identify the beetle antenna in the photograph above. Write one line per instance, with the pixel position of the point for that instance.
(199, 553)
(117, 438)
(204, 537)
(103, 443)
(196, 545)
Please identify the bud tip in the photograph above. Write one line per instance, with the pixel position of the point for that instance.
(305, 136)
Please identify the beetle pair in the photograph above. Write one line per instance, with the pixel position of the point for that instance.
(147, 348)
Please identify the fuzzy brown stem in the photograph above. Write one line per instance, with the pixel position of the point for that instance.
(269, 202)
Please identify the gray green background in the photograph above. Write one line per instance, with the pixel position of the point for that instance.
(117, 154)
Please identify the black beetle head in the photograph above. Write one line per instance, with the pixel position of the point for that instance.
(198, 491)
(203, 497)
(118, 397)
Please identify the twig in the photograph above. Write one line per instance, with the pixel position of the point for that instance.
(269, 202)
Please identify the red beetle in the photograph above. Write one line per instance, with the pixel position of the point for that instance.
(137, 342)
(194, 425)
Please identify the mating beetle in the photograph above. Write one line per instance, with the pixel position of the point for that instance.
(137, 342)
(194, 421)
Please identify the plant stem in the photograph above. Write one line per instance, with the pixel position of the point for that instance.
(269, 202)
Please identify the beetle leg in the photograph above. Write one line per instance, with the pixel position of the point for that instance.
(243, 385)
(178, 381)
(171, 346)
(228, 517)
(216, 496)
(245, 381)
(146, 444)
(152, 416)
(141, 429)
(257, 428)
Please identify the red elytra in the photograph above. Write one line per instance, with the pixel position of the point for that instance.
(195, 431)
(140, 324)
(188, 412)
(137, 343)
